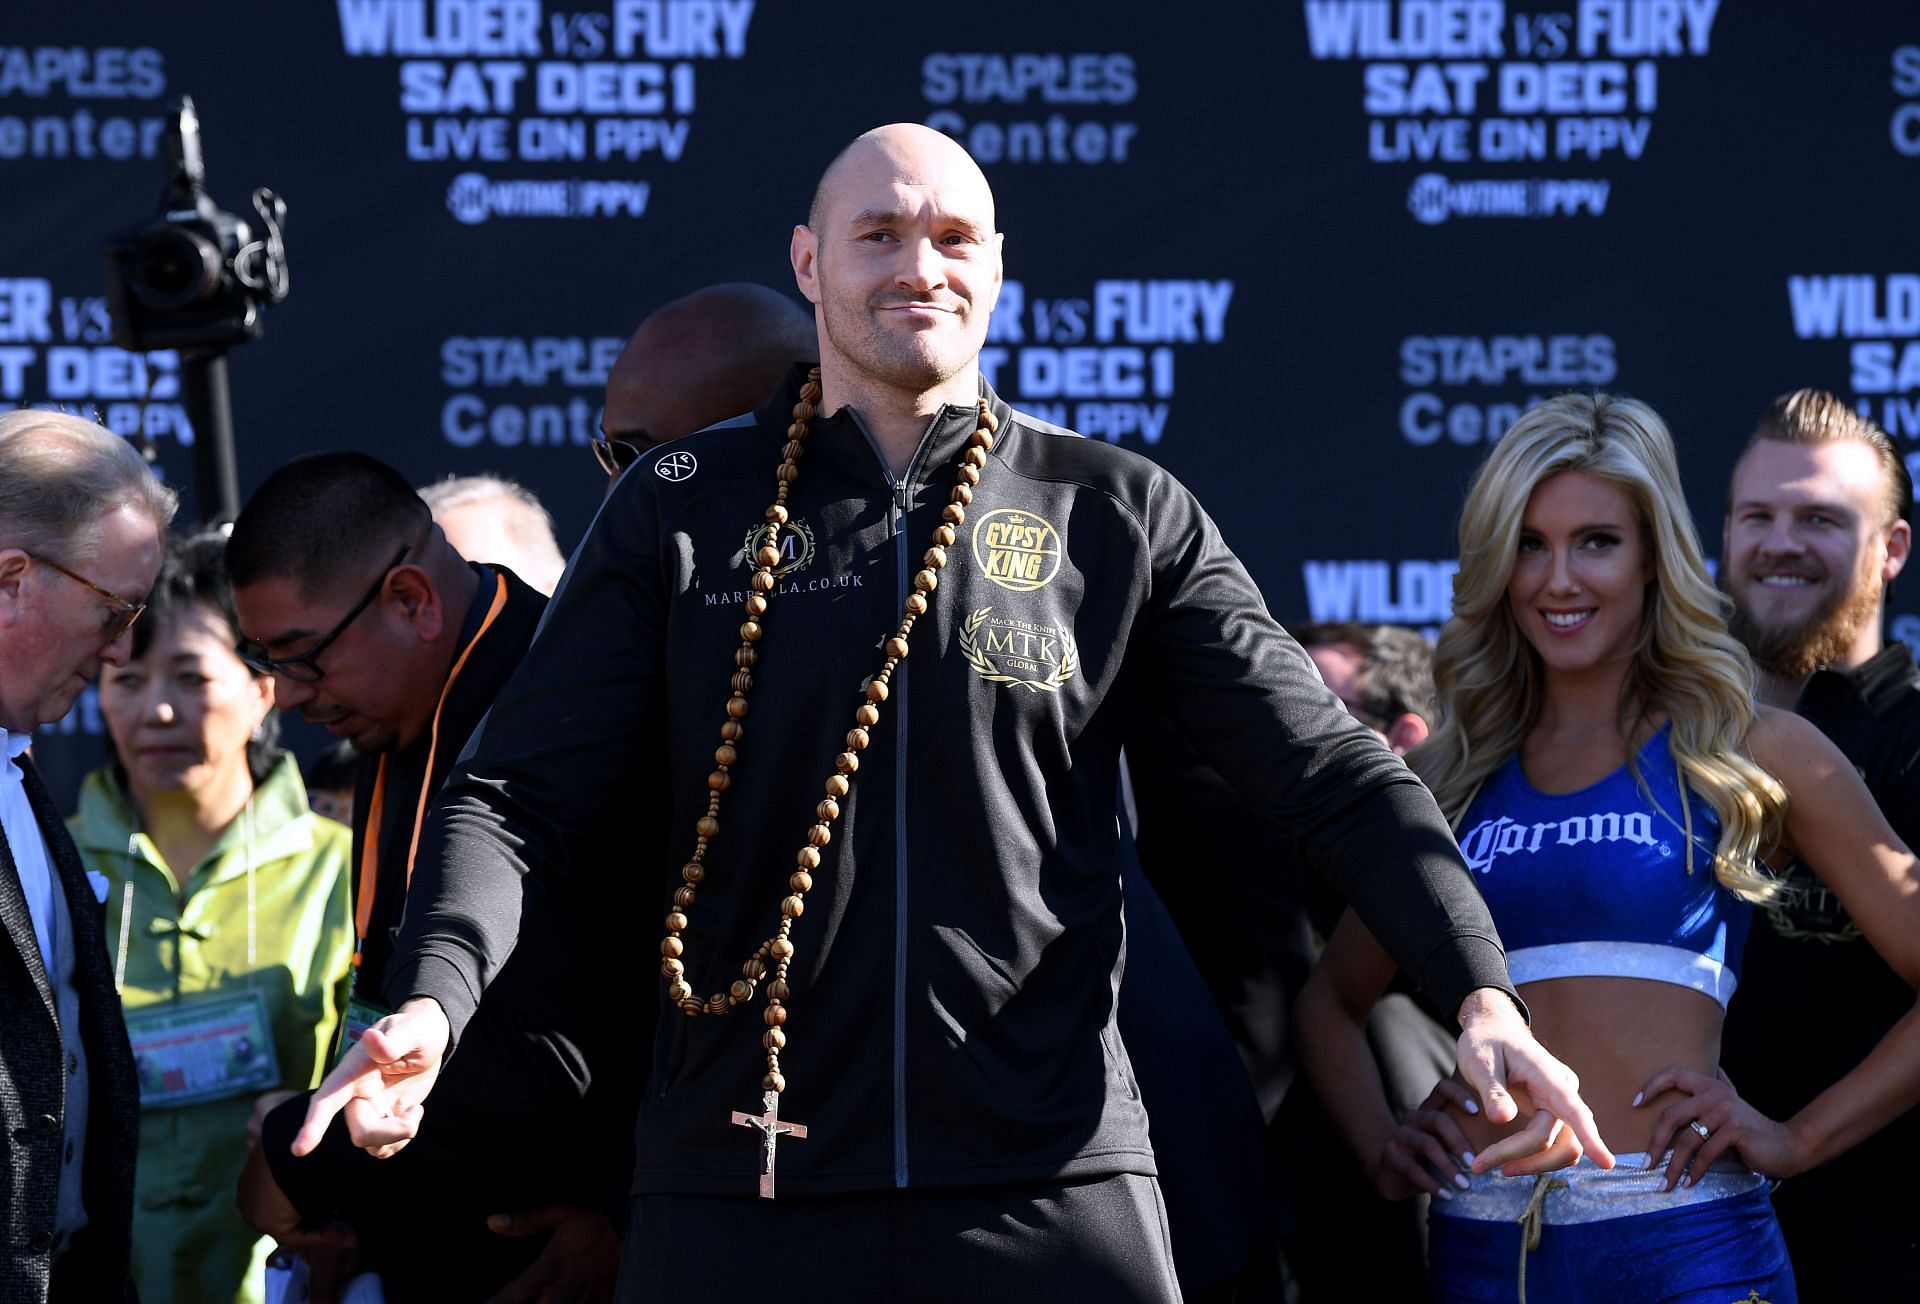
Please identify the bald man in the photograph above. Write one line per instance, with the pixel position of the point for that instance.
(889, 885)
(714, 354)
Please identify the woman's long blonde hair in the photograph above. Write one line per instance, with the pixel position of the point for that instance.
(1488, 678)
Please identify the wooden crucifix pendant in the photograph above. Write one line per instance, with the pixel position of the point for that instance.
(771, 1130)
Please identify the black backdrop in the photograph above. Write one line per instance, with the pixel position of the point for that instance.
(1311, 257)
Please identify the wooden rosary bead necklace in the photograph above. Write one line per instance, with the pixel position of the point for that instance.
(775, 955)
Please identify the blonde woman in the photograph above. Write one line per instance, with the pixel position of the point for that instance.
(1618, 796)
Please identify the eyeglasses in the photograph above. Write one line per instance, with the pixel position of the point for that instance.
(616, 455)
(124, 612)
(306, 667)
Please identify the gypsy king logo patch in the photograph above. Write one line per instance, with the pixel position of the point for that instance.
(1016, 549)
(796, 547)
(1007, 650)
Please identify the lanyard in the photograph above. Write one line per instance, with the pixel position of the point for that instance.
(376, 805)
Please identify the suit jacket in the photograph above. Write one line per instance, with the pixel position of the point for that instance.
(33, 1083)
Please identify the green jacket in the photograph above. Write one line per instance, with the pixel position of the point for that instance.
(189, 1242)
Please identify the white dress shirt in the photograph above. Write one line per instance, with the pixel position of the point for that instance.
(28, 846)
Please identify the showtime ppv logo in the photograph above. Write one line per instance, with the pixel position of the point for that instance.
(472, 198)
(1432, 198)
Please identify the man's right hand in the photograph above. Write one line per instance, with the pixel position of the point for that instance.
(381, 1084)
(1497, 1051)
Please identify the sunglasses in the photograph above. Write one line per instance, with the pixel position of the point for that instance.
(124, 612)
(305, 668)
(617, 454)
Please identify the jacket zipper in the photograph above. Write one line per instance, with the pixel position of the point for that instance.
(902, 494)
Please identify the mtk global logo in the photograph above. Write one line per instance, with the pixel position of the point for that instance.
(1005, 650)
(473, 198)
(1016, 549)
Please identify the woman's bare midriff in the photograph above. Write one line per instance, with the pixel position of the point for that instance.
(1616, 1033)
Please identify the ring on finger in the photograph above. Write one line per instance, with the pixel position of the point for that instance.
(1701, 1128)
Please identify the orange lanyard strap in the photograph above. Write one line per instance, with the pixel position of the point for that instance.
(369, 859)
(370, 847)
(433, 744)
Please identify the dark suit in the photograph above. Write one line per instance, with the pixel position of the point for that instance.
(33, 1080)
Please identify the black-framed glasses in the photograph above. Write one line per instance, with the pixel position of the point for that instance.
(616, 455)
(124, 612)
(306, 667)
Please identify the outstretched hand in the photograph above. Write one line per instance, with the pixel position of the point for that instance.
(1498, 1052)
(381, 1083)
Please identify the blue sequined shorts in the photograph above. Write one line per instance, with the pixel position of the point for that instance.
(1613, 1236)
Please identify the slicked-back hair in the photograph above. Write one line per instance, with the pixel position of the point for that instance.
(325, 520)
(59, 475)
(1814, 416)
(193, 573)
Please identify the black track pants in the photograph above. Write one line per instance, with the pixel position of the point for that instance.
(1091, 1242)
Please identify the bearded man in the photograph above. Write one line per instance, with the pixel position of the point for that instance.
(1816, 530)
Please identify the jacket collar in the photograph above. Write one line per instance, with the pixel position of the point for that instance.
(843, 438)
(107, 823)
(1879, 684)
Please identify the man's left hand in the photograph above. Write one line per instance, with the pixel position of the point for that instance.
(1497, 1051)
(579, 1263)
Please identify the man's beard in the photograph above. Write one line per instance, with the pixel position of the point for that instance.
(894, 359)
(1823, 638)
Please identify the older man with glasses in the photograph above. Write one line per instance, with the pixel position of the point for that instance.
(80, 523)
(373, 625)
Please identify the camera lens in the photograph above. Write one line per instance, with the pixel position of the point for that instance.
(173, 266)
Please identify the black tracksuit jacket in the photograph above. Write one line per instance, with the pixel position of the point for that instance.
(952, 1008)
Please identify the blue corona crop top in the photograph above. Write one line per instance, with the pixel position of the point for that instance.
(1594, 883)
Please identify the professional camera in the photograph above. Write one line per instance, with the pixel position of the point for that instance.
(195, 277)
